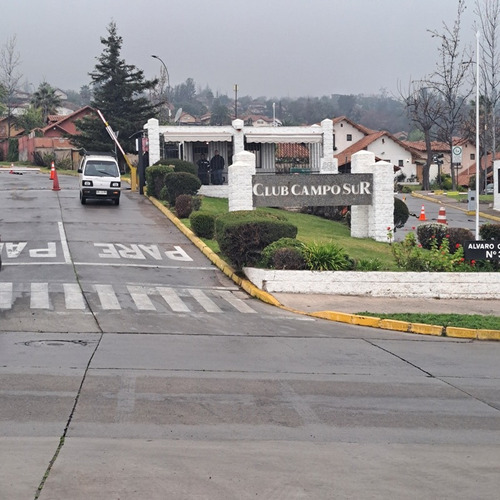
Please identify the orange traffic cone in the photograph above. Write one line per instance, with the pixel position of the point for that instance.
(56, 187)
(422, 214)
(442, 216)
(52, 171)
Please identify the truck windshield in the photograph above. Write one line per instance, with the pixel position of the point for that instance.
(101, 169)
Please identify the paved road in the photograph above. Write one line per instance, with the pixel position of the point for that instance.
(131, 368)
(455, 216)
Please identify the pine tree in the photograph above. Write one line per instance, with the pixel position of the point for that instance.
(119, 93)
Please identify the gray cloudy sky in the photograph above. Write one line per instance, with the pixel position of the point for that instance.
(272, 48)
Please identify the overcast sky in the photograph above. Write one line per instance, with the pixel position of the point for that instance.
(272, 48)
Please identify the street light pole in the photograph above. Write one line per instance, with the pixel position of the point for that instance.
(235, 101)
(477, 136)
(166, 70)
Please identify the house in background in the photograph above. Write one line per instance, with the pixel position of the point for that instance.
(4, 136)
(438, 147)
(51, 139)
(386, 148)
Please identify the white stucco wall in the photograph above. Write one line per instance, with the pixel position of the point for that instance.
(341, 130)
(378, 284)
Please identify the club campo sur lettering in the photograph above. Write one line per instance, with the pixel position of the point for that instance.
(363, 187)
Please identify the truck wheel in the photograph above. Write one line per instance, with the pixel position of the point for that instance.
(83, 199)
(117, 201)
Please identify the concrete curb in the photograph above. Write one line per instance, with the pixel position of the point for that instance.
(340, 317)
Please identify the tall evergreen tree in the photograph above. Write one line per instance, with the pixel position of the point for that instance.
(119, 93)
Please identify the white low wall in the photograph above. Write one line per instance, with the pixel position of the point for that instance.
(378, 284)
(214, 191)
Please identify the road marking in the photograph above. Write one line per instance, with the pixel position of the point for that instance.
(237, 303)
(73, 296)
(5, 295)
(175, 298)
(64, 243)
(172, 299)
(141, 299)
(39, 298)
(107, 297)
(208, 304)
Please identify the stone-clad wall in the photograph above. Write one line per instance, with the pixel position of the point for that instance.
(378, 284)
(373, 221)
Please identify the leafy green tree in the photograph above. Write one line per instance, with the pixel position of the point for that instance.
(31, 118)
(119, 93)
(46, 99)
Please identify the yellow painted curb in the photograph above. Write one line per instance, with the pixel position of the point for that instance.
(461, 333)
(423, 329)
(353, 319)
(333, 316)
(488, 334)
(394, 324)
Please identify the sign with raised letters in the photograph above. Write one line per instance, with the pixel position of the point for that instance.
(301, 190)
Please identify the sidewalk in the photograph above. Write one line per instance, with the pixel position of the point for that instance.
(357, 304)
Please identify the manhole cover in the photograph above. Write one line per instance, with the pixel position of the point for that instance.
(54, 343)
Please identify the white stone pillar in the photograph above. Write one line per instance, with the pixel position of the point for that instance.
(496, 180)
(328, 164)
(153, 128)
(373, 221)
(240, 181)
(238, 136)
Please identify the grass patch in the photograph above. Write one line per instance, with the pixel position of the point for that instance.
(471, 321)
(316, 229)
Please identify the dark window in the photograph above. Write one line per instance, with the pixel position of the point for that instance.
(349, 137)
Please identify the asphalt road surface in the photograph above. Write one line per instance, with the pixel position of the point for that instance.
(132, 368)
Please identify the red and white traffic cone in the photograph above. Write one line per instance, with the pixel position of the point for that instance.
(442, 216)
(422, 214)
(52, 171)
(55, 186)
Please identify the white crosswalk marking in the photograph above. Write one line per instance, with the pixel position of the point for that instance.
(238, 304)
(172, 299)
(208, 304)
(107, 297)
(73, 296)
(39, 298)
(5, 295)
(140, 297)
(145, 298)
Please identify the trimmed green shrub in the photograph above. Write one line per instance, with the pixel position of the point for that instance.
(327, 257)
(401, 213)
(268, 252)
(426, 233)
(178, 183)
(179, 165)
(196, 202)
(163, 196)
(288, 258)
(202, 224)
(242, 235)
(155, 179)
(457, 236)
(490, 232)
(183, 206)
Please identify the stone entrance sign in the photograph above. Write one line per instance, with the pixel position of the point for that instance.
(301, 190)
